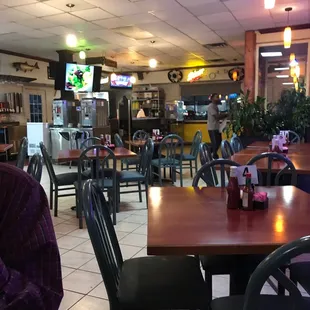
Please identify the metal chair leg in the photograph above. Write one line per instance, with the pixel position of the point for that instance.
(159, 177)
(140, 191)
(147, 195)
(56, 201)
(196, 166)
(208, 281)
(51, 195)
(191, 168)
(181, 176)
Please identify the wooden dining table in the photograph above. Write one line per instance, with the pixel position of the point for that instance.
(195, 221)
(5, 147)
(298, 154)
(74, 155)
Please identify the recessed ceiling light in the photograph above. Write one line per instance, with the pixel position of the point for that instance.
(288, 83)
(271, 54)
(70, 5)
(284, 76)
(152, 41)
(281, 69)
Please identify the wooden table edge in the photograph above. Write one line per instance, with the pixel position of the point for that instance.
(225, 249)
(8, 146)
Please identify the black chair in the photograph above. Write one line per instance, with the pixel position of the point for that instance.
(103, 177)
(205, 154)
(236, 144)
(22, 153)
(156, 282)
(300, 273)
(208, 174)
(293, 137)
(128, 162)
(226, 149)
(169, 147)
(140, 135)
(289, 170)
(142, 174)
(188, 159)
(271, 266)
(90, 142)
(214, 264)
(59, 182)
(35, 167)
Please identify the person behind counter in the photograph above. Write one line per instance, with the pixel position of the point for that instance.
(214, 118)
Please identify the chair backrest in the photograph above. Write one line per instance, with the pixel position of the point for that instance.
(206, 157)
(170, 146)
(35, 167)
(96, 158)
(48, 163)
(293, 137)
(226, 149)
(196, 143)
(118, 140)
(146, 157)
(140, 135)
(204, 172)
(103, 238)
(271, 267)
(236, 144)
(205, 153)
(289, 169)
(89, 142)
(22, 153)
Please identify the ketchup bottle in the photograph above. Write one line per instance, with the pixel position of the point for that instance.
(248, 193)
(233, 190)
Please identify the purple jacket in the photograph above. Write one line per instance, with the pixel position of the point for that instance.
(30, 271)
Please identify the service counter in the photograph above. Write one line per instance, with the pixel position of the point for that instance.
(188, 128)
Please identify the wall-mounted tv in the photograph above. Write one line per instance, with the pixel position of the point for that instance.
(121, 81)
(79, 78)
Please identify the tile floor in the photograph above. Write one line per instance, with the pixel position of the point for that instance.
(82, 281)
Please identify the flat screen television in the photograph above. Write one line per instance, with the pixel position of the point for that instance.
(79, 78)
(121, 81)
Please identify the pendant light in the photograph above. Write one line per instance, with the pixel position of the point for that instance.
(287, 36)
(292, 57)
(269, 4)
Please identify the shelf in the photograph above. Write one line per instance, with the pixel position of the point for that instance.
(154, 99)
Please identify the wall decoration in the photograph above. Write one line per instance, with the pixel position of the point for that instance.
(236, 74)
(195, 75)
(175, 76)
(24, 66)
(212, 76)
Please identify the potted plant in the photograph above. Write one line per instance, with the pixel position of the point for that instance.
(250, 120)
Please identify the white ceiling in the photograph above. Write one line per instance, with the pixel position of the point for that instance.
(124, 29)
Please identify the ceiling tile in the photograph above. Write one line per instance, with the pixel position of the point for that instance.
(117, 7)
(235, 5)
(13, 27)
(64, 19)
(176, 14)
(12, 37)
(249, 13)
(231, 32)
(187, 3)
(59, 30)
(61, 5)
(208, 8)
(133, 32)
(114, 22)
(140, 18)
(37, 34)
(216, 18)
(229, 24)
(12, 3)
(158, 5)
(38, 9)
(36, 23)
(209, 38)
(12, 15)
(257, 23)
(92, 14)
(160, 29)
(85, 27)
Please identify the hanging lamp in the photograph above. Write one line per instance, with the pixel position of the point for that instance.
(287, 35)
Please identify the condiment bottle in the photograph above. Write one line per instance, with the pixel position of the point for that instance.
(273, 142)
(276, 148)
(102, 140)
(248, 193)
(233, 190)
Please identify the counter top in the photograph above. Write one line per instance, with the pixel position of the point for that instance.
(145, 118)
(195, 121)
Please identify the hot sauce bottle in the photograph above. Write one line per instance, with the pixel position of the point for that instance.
(248, 193)
(233, 190)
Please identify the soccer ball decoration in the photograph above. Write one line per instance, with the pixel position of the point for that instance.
(175, 76)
